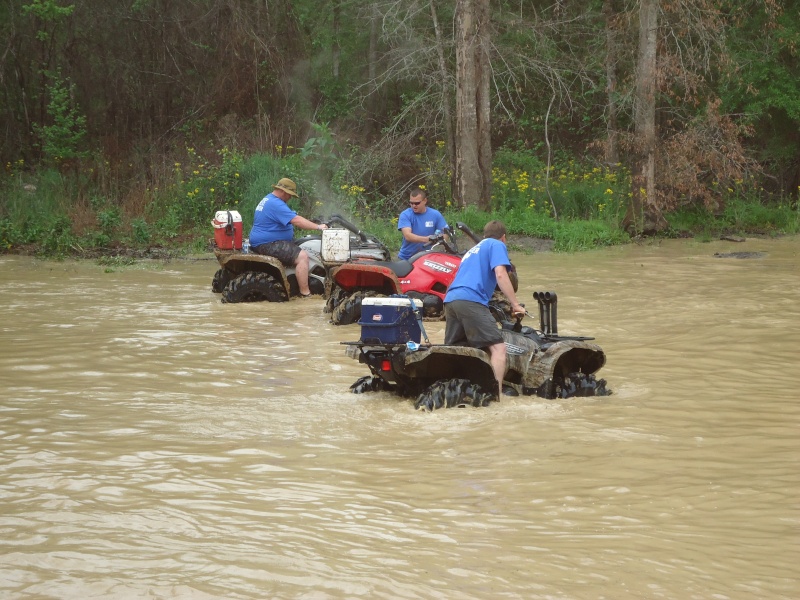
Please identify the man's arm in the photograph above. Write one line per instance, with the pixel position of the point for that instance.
(303, 223)
(413, 237)
(505, 285)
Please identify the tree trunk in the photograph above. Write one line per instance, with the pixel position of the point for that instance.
(644, 216)
(336, 50)
(447, 100)
(612, 146)
(473, 151)
(373, 100)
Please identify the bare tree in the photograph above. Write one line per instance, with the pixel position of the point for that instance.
(612, 128)
(473, 174)
(447, 100)
(644, 215)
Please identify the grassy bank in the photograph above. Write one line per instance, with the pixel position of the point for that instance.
(95, 210)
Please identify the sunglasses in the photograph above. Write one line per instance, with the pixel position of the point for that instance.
(415, 203)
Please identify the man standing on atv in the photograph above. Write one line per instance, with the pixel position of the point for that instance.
(273, 231)
(468, 320)
(417, 223)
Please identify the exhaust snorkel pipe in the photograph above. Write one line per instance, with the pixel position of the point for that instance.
(548, 312)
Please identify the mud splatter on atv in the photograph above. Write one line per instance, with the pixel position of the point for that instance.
(540, 362)
(249, 277)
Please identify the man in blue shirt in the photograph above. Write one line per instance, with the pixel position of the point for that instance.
(273, 231)
(417, 223)
(468, 320)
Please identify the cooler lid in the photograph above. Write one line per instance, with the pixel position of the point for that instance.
(387, 302)
(222, 216)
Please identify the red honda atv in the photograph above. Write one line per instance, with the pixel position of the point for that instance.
(424, 277)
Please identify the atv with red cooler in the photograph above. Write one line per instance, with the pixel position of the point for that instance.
(249, 277)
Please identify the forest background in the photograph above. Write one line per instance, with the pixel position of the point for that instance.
(127, 125)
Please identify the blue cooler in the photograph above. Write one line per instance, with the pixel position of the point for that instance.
(389, 320)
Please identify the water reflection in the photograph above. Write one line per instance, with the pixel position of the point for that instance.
(157, 442)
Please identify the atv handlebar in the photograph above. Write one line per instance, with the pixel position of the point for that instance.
(463, 227)
(336, 219)
(441, 238)
(339, 219)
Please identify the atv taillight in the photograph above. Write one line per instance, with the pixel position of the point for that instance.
(386, 365)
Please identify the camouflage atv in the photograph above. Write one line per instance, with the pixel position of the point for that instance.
(541, 363)
(250, 277)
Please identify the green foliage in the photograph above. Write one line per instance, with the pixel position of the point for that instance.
(569, 236)
(35, 213)
(318, 154)
(95, 239)
(109, 219)
(336, 95)
(63, 139)
(57, 239)
(765, 44)
(208, 186)
(141, 231)
(760, 83)
(170, 224)
(259, 173)
(522, 183)
(10, 234)
(47, 12)
(585, 196)
(741, 215)
(585, 235)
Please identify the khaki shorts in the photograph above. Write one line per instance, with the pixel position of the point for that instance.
(470, 324)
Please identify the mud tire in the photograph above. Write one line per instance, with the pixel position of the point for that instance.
(370, 383)
(452, 393)
(574, 385)
(253, 287)
(337, 296)
(221, 278)
(432, 306)
(349, 310)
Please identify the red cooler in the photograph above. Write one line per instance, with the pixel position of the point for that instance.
(228, 230)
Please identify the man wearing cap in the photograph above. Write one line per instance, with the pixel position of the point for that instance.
(273, 231)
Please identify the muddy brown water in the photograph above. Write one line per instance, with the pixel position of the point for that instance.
(157, 443)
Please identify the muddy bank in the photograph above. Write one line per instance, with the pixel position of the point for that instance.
(523, 243)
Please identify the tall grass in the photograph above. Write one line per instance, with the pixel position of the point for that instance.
(171, 204)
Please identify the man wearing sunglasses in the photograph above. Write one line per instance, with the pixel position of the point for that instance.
(417, 223)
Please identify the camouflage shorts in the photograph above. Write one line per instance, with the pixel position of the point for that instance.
(284, 250)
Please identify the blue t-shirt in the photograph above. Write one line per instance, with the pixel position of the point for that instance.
(421, 224)
(272, 221)
(476, 280)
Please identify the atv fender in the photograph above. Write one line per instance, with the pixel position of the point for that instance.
(374, 276)
(562, 358)
(437, 362)
(238, 263)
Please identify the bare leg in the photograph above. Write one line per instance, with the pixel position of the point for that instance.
(301, 272)
(497, 356)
